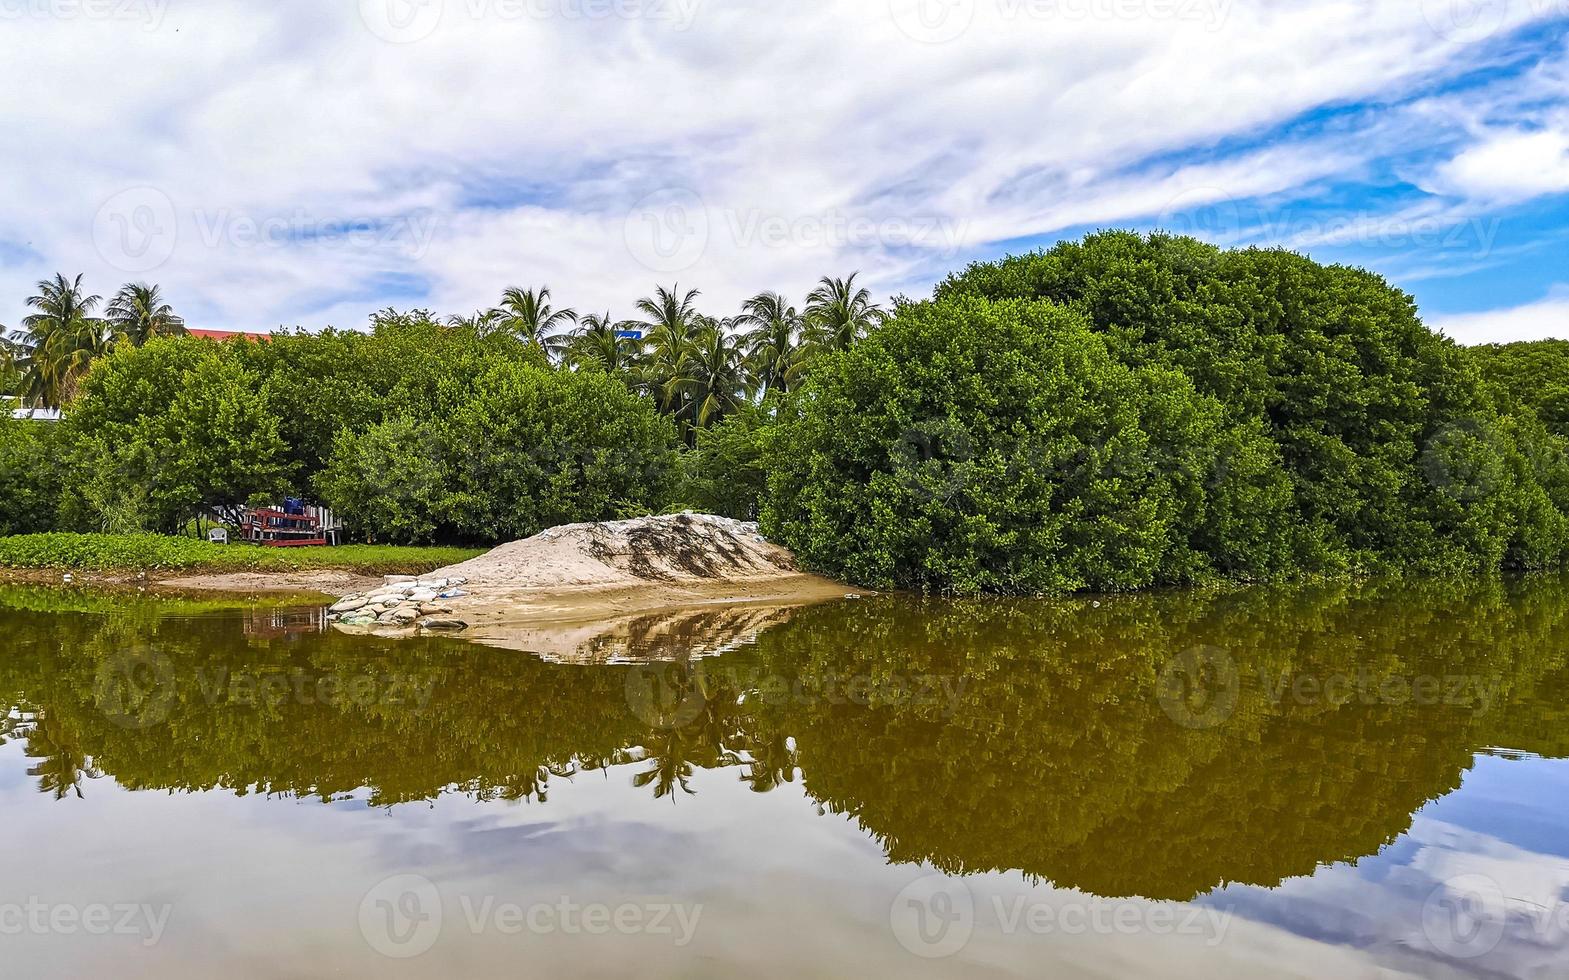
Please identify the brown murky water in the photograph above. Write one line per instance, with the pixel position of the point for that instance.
(1342, 780)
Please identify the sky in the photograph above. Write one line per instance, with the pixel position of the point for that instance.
(307, 162)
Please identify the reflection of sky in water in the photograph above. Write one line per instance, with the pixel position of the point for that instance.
(1481, 876)
(271, 887)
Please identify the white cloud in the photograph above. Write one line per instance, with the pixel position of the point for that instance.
(1544, 319)
(1510, 166)
(526, 131)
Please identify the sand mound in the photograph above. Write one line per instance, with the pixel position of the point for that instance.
(677, 585)
(672, 549)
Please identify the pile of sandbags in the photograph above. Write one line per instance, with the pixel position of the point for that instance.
(404, 602)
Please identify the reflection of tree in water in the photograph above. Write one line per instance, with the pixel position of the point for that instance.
(1060, 762)
(1052, 756)
(769, 760)
(62, 767)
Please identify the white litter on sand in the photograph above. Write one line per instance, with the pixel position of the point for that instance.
(672, 548)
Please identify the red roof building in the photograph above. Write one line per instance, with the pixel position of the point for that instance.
(221, 335)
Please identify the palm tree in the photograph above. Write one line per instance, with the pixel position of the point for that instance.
(670, 309)
(13, 358)
(63, 338)
(838, 314)
(773, 761)
(669, 331)
(713, 376)
(773, 344)
(596, 344)
(63, 765)
(528, 315)
(483, 323)
(139, 313)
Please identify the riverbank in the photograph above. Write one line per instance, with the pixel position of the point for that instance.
(189, 564)
(617, 586)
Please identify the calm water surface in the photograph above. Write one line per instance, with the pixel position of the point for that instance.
(1346, 780)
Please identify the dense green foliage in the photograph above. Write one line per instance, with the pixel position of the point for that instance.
(32, 480)
(529, 449)
(132, 552)
(1243, 412)
(1117, 412)
(1530, 374)
(474, 428)
(321, 385)
(971, 446)
(416, 432)
(725, 472)
(160, 431)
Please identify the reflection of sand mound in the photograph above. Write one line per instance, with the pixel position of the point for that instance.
(589, 592)
(668, 634)
(669, 549)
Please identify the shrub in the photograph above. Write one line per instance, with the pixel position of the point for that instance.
(724, 473)
(539, 448)
(529, 449)
(391, 482)
(128, 552)
(1371, 415)
(161, 431)
(31, 479)
(970, 446)
(1532, 375)
(408, 365)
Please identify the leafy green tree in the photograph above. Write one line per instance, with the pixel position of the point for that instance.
(393, 482)
(1531, 374)
(536, 448)
(1392, 444)
(527, 449)
(724, 473)
(968, 446)
(32, 480)
(318, 385)
(408, 365)
(161, 432)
